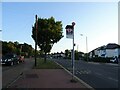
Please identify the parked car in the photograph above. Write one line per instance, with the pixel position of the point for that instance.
(9, 59)
(114, 60)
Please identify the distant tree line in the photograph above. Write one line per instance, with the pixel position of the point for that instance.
(17, 48)
(68, 54)
(78, 55)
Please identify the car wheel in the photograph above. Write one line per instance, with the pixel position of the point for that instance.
(11, 63)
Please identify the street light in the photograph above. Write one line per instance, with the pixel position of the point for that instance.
(86, 46)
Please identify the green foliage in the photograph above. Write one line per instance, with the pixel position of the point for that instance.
(49, 32)
(67, 53)
(15, 47)
(76, 55)
(27, 49)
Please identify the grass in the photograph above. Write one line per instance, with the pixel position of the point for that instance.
(48, 65)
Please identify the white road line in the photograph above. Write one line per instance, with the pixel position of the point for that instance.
(111, 64)
(113, 79)
(79, 72)
(88, 86)
(83, 72)
(99, 74)
(94, 63)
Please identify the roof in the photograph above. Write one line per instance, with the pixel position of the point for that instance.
(102, 48)
(112, 46)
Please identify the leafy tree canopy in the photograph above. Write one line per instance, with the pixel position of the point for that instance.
(15, 47)
(49, 32)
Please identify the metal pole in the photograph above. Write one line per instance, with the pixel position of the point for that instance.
(73, 49)
(73, 54)
(35, 39)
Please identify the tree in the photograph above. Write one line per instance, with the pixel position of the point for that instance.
(15, 47)
(11, 46)
(16, 44)
(26, 49)
(4, 47)
(66, 53)
(49, 32)
(76, 55)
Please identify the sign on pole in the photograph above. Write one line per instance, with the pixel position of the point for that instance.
(69, 31)
(70, 34)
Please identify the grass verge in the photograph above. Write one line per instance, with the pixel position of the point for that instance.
(48, 65)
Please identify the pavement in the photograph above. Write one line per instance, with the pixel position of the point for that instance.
(45, 78)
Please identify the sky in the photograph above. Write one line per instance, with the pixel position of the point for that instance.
(98, 21)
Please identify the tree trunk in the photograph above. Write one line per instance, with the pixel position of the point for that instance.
(45, 57)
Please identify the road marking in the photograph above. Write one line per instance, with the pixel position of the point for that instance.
(94, 63)
(99, 74)
(113, 79)
(88, 86)
(113, 64)
(83, 72)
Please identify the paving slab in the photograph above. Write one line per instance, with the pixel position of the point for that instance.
(45, 78)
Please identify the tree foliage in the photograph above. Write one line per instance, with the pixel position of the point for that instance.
(15, 47)
(49, 32)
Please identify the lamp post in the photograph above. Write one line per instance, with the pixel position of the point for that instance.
(86, 46)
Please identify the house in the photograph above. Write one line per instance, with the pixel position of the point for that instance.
(93, 53)
(112, 50)
(98, 52)
(101, 51)
(117, 52)
(107, 51)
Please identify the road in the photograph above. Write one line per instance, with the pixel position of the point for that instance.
(11, 73)
(97, 75)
